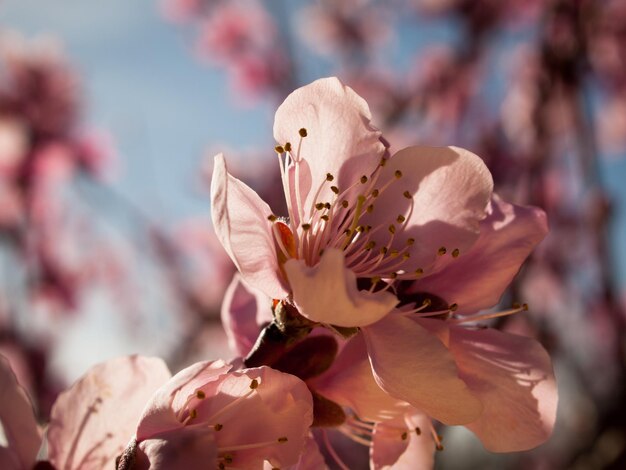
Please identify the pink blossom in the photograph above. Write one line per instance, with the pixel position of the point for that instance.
(17, 420)
(243, 418)
(92, 422)
(361, 222)
(335, 176)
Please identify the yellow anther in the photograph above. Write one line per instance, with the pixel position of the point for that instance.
(392, 228)
(517, 305)
(272, 218)
(360, 199)
(401, 218)
(363, 179)
(319, 206)
(306, 226)
(334, 189)
(368, 228)
(302, 132)
(383, 161)
(405, 436)
(393, 275)
(375, 280)
(218, 427)
(383, 250)
(394, 253)
(398, 174)
(453, 307)
(344, 204)
(406, 256)
(359, 229)
(442, 251)
(525, 307)
(427, 302)
(282, 440)
(200, 395)
(254, 384)
(279, 149)
(455, 253)
(327, 205)
(193, 414)
(375, 193)
(369, 209)
(370, 245)
(325, 218)
(288, 147)
(419, 272)
(329, 177)
(407, 194)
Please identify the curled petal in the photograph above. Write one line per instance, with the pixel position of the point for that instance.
(181, 449)
(241, 223)
(403, 444)
(442, 192)
(512, 376)
(95, 419)
(244, 310)
(327, 293)
(160, 412)
(411, 363)
(339, 137)
(476, 280)
(17, 420)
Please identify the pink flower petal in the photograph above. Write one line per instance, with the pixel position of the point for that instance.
(340, 139)
(512, 375)
(181, 449)
(240, 219)
(160, 412)
(404, 443)
(411, 363)
(350, 383)
(18, 422)
(93, 421)
(442, 192)
(476, 280)
(311, 458)
(244, 310)
(327, 293)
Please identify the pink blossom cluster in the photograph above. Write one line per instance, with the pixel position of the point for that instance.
(359, 313)
(240, 36)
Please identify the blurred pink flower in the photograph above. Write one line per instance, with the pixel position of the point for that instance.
(92, 422)
(22, 436)
(348, 27)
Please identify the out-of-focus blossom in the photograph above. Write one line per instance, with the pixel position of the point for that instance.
(181, 11)
(348, 27)
(38, 84)
(241, 36)
(20, 430)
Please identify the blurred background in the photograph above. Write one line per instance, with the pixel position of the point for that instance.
(110, 113)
